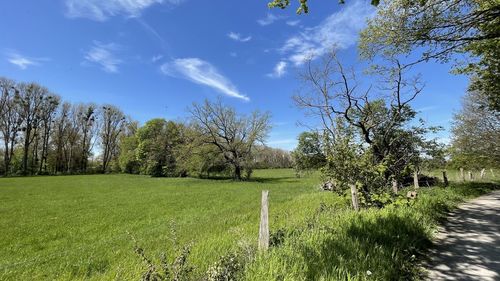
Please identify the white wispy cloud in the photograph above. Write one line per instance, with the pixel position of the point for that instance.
(104, 55)
(21, 61)
(238, 37)
(279, 70)
(156, 58)
(293, 22)
(269, 19)
(203, 73)
(101, 10)
(339, 30)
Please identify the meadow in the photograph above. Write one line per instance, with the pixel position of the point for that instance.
(75, 227)
(80, 227)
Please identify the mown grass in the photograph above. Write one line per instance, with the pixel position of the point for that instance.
(75, 227)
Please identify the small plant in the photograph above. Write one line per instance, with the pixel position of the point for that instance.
(177, 270)
(227, 268)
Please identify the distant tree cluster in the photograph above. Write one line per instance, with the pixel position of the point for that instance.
(43, 135)
(475, 134)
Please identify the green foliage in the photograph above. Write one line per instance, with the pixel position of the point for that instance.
(303, 5)
(476, 131)
(440, 30)
(156, 143)
(309, 153)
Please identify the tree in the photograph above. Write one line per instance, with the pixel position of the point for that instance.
(440, 29)
(128, 149)
(113, 122)
(11, 120)
(235, 136)
(386, 146)
(47, 114)
(87, 125)
(157, 141)
(32, 98)
(475, 133)
(310, 152)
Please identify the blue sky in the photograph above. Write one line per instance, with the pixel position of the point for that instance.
(154, 58)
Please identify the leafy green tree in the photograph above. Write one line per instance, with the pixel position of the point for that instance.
(309, 154)
(476, 133)
(439, 30)
(157, 141)
(127, 159)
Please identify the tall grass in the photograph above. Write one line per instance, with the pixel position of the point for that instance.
(373, 244)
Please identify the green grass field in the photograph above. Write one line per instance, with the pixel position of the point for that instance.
(75, 227)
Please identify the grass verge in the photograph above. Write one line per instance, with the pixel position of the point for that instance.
(373, 244)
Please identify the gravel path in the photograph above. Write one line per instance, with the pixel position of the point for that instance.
(468, 245)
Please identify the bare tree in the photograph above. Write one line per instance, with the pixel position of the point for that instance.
(235, 136)
(113, 123)
(32, 97)
(47, 114)
(11, 120)
(87, 123)
(333, 95)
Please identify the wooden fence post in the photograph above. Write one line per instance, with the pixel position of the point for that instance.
(415, 179)
(354, 195)
(264, 222)
(462, 175)
(445, 179)
(483, 171)
(470, 176)
(395, 186)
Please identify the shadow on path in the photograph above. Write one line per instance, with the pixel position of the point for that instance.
(468, 245)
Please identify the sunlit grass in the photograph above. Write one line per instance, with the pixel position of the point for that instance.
(75, 227)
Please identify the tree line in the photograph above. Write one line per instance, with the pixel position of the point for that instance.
(42, 135)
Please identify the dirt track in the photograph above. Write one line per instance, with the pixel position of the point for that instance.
(468, 245)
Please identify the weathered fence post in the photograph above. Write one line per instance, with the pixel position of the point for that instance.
(415, 179)
(492, 174)
(395, 186)
(462, 175)
(483, 171)
(354, 195)
(445, 179)
(470, 176)
(264, 222)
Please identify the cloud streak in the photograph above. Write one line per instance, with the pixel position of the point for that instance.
(238, 37)
(101, 10)
(201, 72)
(23, 62)
(339, 30)
(269, 19)
(279, 70)
(103, 55)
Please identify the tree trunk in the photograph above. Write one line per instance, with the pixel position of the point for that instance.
(237, 172)
(445, 179)
(462, 175)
